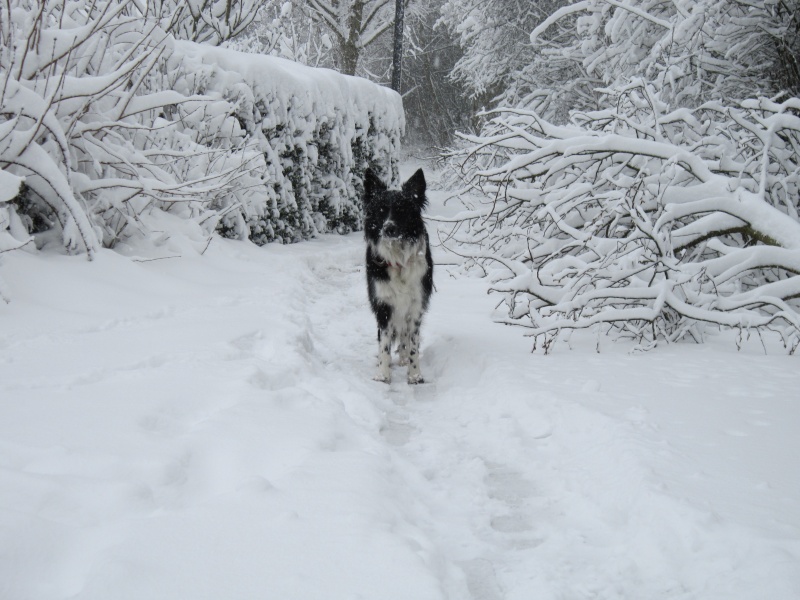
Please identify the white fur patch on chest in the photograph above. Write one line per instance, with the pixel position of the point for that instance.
(406, 266)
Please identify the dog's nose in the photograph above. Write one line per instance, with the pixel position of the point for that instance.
(390, 229)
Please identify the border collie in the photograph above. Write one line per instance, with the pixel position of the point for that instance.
(399, 269)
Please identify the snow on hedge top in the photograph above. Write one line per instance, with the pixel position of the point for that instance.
(296, 87)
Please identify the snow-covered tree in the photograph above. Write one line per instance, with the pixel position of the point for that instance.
(674, 208)
(351, 36)
(436, 105)
(397, 46)
(204, 21)
(690, 50)
(695, 49)
(353, 25)
(51, 78)
(284, 29)
(495, 41)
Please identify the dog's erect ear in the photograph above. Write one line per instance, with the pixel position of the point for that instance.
(414, 188)
(372, 186)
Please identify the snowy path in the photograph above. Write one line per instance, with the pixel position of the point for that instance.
(207, 428)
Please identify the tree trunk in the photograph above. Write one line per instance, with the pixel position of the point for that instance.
(349, 53)
(397, 53)
(349, 47)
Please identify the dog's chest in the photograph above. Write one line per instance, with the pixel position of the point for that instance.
(403, 289)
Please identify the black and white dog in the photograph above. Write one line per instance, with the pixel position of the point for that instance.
(399, 268)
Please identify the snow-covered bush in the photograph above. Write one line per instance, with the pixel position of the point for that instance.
(107, 117)
(642, 221)
(87, 123)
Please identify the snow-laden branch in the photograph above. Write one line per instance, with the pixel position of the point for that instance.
(653, 228)
(558, 15)
(204, 21)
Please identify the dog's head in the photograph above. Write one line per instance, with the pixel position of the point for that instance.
(394, 215)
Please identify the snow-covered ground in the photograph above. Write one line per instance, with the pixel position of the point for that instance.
(206, 427)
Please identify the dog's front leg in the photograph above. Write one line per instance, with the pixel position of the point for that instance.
(414, 375)
(384, 373)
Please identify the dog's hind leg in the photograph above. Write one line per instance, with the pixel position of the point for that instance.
(414, 375)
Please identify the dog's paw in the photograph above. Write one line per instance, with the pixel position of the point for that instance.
(415, 380)
(383, 378)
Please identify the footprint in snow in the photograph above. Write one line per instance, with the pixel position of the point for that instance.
(514, 491)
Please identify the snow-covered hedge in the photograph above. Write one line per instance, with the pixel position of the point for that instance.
(317, 129)
(650, 223)
(107, 118)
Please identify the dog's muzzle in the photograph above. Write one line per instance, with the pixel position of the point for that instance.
(390, 230)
